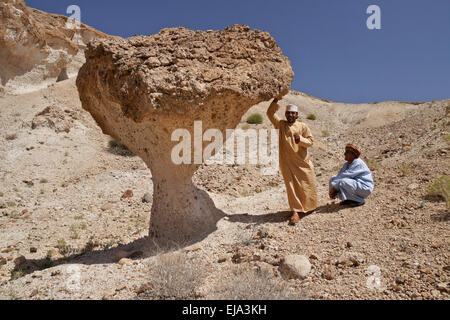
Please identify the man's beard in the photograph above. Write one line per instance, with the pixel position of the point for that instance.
(291, 120)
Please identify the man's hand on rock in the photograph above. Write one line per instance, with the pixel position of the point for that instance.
(282, 94)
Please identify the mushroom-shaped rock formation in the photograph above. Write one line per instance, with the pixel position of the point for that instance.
(141, 89)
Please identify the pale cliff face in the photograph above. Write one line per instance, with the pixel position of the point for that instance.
(35, 47)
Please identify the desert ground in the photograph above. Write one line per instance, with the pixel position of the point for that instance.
(71, 228)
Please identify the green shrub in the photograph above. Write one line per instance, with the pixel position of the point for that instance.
(62, 247)
(447, 138)
(373, 164)
(17, 274)
(311, 117)
(406, 169)
(255, 118)
(325, 133)
(439, 189)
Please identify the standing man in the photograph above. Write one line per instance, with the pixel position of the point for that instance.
(297, 169)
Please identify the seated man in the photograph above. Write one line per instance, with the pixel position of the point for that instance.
(354, 182)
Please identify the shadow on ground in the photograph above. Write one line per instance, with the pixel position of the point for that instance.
(275, 217)
(331, 208)
(147, 247)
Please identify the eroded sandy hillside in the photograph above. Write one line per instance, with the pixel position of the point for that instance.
(62, 208)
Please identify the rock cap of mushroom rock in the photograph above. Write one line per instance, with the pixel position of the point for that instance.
(178, 69)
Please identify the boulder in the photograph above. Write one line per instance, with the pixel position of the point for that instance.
(142, 89)
(295, 267)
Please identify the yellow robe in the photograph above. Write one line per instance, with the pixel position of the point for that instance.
(295, 165)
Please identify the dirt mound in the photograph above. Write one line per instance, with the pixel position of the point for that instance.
(54, 118)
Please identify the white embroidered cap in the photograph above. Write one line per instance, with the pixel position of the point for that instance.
(292, 108)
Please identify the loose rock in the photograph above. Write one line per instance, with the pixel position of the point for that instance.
(350, 259)
(295, 267)
(329, 273)
(147, 198)
(125, 261)
(20, 260)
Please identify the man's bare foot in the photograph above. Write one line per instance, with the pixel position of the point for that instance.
(333, 193)
(295, 218)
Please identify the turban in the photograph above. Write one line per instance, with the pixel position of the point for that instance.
(353, 149)
(291, 108)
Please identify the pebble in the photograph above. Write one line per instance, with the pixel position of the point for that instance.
(2, 261)
(400, 279)
(20, 260)
(125, 261)
(350, 259)
(121, 254)
(412, 186)
(106, 207)
(127, 194)
(147, 198)
(435, 293)
(442, 287)
(329, 273)
(53, 254)
(55, 273)
(33, 250)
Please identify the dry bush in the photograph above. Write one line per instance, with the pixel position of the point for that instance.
(406, 169)
(249, 284)
(446, 138)
(373, 164)
(173, 277)
(119, 149)
(440, 189)
(11, 137)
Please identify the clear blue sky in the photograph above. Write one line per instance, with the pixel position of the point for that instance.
(333, 53)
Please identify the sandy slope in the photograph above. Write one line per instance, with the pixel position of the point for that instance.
(69, 185)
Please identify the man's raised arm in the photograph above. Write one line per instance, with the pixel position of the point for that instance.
(272, 113)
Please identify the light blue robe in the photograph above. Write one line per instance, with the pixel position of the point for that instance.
(353, 182)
